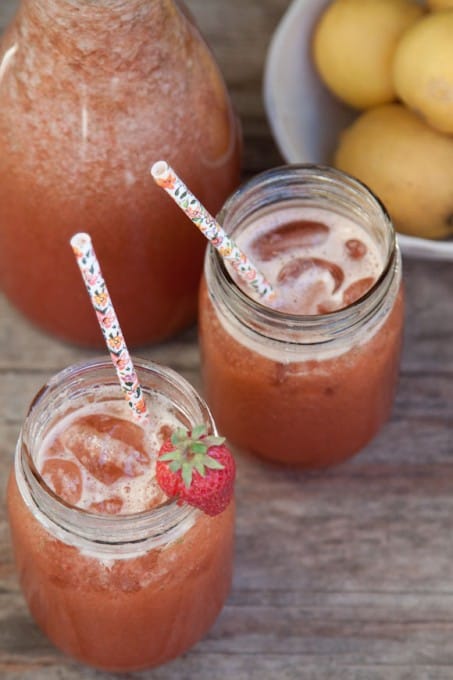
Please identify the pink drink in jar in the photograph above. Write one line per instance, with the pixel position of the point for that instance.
(310, 380)
(115, 573)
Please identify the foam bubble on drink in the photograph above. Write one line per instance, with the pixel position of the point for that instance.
(85, 462)
(317, 261)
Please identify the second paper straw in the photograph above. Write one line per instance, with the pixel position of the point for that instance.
(109, 324)
(165, 177)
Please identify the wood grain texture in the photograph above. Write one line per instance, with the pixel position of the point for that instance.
(344, 574)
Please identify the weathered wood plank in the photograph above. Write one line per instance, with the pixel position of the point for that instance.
(245, 667)
(7, 9)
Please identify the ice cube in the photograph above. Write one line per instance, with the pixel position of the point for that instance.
(55, 450)
(109, 506)
(118, 428)
(64, 478)
(165, 432)
(104, 456)
(289, 237)
(156, 498)
(317, 267)
(356, 289)
(327, 306)
(356, 249)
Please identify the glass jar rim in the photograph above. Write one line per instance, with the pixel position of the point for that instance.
(341, 320)
(295, 172)
(105, 531)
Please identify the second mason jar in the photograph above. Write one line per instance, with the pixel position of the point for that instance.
(308, 389)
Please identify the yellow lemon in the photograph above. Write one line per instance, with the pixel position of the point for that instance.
(423, 69)
(406, 163)
(353, 46)
(439, 4)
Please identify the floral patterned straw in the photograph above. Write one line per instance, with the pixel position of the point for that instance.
(108, 321)
(165, 177)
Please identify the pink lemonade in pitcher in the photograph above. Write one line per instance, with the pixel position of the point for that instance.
(309, 378)
(114, 572)
(90, 94)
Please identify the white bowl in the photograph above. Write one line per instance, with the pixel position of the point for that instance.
(304, 117)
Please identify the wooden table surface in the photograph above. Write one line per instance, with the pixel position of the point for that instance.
(344, 574)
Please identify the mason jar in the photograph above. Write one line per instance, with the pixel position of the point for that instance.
(301, 389)
(118, 592)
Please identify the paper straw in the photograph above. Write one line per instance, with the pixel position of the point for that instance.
(109, 324)
(165, 177)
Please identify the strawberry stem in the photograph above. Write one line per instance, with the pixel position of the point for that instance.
(191, 452)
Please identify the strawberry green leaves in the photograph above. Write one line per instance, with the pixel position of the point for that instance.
(197, 468)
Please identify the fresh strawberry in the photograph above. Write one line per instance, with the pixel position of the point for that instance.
(197, 468)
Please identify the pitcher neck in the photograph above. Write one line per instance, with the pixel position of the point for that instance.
(97, 30)
(88, 11)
